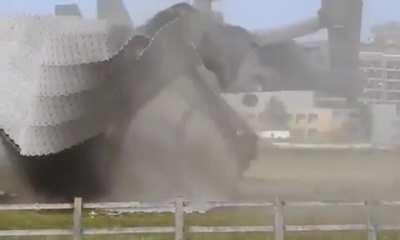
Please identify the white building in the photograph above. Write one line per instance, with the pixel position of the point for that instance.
(383, 77)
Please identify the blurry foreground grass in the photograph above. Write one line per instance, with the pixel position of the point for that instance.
(218, 217)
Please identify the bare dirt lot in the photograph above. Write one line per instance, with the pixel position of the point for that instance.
(352, 175)
(324, 174)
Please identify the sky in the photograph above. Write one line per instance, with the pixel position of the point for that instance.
(251, 14)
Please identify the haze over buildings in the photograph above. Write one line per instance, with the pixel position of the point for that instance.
(251, 14)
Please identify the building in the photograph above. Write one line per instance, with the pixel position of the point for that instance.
(380, 61)
(382, 72)
(304, 118)
(203, 5)
(207, 7)
(67, 10)
(385, 126)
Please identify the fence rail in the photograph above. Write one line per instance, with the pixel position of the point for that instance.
(180, 207)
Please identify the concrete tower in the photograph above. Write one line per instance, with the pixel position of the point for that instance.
(114, 11)
(203, 5)
(67, 10)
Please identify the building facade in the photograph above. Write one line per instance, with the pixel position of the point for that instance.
(304, 118)
(382, 72)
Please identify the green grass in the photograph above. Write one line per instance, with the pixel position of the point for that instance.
(55, 220)
(219, 217)
(254, 236)
(52, 220)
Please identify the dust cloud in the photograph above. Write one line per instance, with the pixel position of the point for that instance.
(170, 133)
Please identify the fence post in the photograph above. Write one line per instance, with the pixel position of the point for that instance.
(372, 228)
(77, 224)
(179, 218)
(279, 224)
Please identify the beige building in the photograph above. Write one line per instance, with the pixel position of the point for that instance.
(305, 119)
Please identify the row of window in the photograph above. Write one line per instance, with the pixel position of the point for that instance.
(379, 95)
(371, 84)
(302, 117)
(394, 64)
(393, 96)
(371, 63)
(374, 95)
(393, 74)
(393, 85)
(380, 85)
(375, 73)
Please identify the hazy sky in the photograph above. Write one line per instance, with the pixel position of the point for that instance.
(252, 14)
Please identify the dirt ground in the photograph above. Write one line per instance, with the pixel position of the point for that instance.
(309, 175)
(324, 175)
(301, 175)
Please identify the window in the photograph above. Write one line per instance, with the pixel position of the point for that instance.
(371, 63)
(290, 117)
(300, 117)
(393, 85)
(393, 64)
(374, 94)
(393, 74)
(312, 118)
(373, 84)
(371, 73)
(394, 96)
(313, 132)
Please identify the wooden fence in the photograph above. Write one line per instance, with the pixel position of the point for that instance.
(180, 207)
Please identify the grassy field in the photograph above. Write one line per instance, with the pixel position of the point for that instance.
(48, 220)
(217, 217)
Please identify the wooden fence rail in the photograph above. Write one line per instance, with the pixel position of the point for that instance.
(179, 208)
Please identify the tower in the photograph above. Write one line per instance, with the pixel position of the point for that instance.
(203, 5)
(67, 10)
(114, 11)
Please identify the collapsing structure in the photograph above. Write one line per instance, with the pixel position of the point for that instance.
(71, 87)
(67, 81)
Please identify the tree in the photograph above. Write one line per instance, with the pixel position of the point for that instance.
(275, 114)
